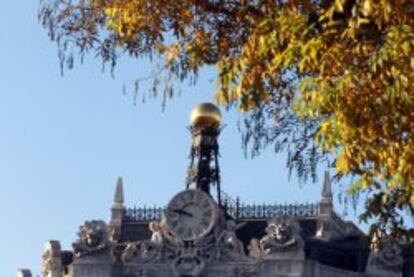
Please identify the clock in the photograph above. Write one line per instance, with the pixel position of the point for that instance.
(191, 214)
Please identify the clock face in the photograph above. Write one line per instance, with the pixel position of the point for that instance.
(191, 214)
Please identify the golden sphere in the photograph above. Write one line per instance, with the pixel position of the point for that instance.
(205, 115)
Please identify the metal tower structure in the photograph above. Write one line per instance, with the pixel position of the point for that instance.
(204, 170)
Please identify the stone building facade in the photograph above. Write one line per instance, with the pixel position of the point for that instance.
(197, 234)
(248, 240)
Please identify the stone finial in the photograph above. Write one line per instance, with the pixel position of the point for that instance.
(324, 228)
(24, 273)
(119, 192)
(117, 211)
(327, 187)
(326, 203)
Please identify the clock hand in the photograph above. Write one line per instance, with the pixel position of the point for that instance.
(180, 211)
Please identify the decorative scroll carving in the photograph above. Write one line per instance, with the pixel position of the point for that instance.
(164, 247)
(385, 258)
(282, 236)
(207, 248)
(188, 263)
(93, 238)
(52, 260)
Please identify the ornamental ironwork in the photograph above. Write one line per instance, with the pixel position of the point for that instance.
(265, 211)
(144, 214)
(237, 210)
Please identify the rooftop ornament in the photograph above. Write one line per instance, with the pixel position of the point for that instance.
(205, 115)
(204, 172)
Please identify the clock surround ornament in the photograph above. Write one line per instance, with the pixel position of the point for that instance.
(191, 214)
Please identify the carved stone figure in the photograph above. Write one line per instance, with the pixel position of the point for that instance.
(230, 247)
(153, 250)
(93, 238)
(52, 260)
(162, 245)
(255, 251)
(385, 258)
(157, 237)
(282, 236)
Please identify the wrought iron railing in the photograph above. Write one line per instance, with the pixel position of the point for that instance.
(265, 211)
(235, 209)
(144, 213)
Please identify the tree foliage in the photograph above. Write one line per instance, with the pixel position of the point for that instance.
(322, 78)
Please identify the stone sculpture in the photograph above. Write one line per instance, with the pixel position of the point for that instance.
(92, 238)
(230, 247)
(159, 246)
(385, 258)
(52, 260)
(157, 237)
(282, 237)
(255, 250)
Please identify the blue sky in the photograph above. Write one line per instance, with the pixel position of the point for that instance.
(65, 140)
